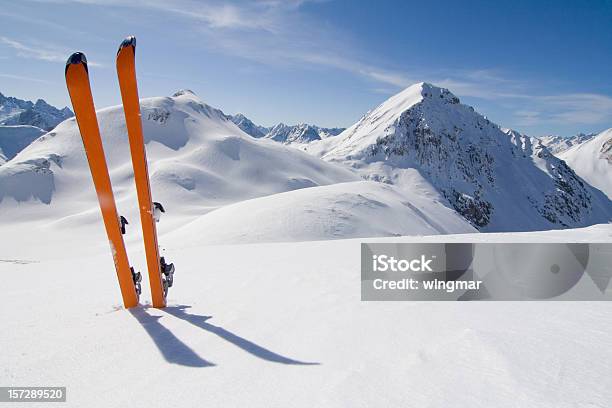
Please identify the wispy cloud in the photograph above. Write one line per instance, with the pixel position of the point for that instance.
(33, 21)
(25, 78)
(43, 52)
(282, 33)
(39, 53)
(569, 108)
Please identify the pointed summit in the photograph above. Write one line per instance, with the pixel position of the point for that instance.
(423, 136)
(183, 92)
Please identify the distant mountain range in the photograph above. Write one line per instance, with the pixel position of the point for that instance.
(215, 180)
(433, 165)
(286, 134)
(557, 144)
(14, 112)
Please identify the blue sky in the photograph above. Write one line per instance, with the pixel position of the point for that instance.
(537, 66)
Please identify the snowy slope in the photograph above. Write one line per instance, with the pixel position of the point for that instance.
(198, 160)
(14, 139)
(201, 161)
(344, 210)
(592, 160)
(498, 181)
(274, 325)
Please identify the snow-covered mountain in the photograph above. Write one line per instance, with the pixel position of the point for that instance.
(592, 160)
(287, 134)
(324, 133)
(301, 133)
(13, 139)
(197, 156)
(14, 111)
(558, 144)
(247, 125)
(498, 181)
(200, 161)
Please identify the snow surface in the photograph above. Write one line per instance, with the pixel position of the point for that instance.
(264, 324)
(14, 139)
(344, 210)
(282, 324)
(592, 160)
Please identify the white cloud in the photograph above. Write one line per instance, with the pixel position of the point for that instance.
(282, 33)
(39, 53)
(43, 52)
(25, 78)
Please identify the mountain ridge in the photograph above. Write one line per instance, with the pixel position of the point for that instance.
(498, 181)
(15, 111)
(201, 164)
(286, 134)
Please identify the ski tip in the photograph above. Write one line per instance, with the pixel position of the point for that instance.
(129, 41)
(76, 58)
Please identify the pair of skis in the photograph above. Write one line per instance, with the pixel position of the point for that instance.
(77, 80)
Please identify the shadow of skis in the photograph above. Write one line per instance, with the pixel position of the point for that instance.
(171, 348)
(244, 344)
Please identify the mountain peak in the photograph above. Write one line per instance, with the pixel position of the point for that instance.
(425, 131)
(14, 112)
(432, 91)
(184, 92)
(247, 126)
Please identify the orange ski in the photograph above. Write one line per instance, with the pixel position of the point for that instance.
(126, 71)
(77, 80)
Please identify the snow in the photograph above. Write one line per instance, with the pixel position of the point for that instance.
(499, 181)
(14, 111)
(591, 161)
(247, 126)
(13, 139)
(282, 324)
(344, 210)
(266, 309)
(198, 161)
(295, 135)
(365, 132)
(558, 144)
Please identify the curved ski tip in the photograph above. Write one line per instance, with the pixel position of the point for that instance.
(129, 41)
(76, 58)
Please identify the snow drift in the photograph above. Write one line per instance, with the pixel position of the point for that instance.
(344, 210)
(14, 139)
